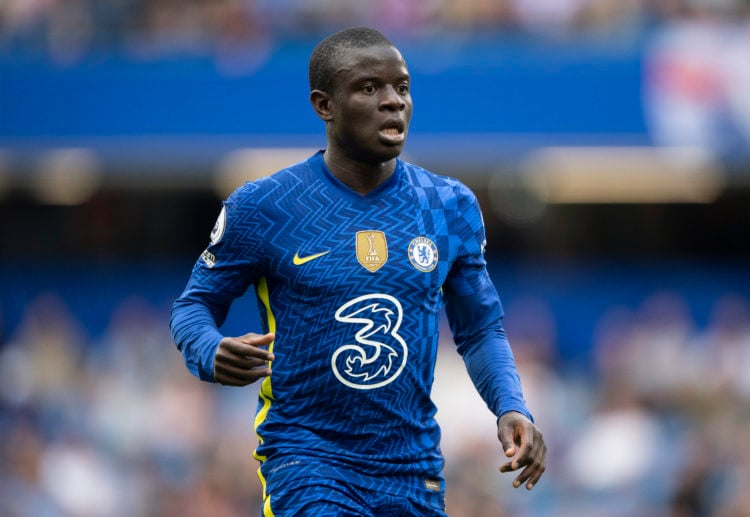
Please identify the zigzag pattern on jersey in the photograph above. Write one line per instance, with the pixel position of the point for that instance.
(302, 211)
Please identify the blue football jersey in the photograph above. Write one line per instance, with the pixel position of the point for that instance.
(353, 287)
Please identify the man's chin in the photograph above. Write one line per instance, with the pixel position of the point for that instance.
(390, 152)
(377, 155)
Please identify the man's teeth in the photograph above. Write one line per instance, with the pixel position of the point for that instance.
(391, 131)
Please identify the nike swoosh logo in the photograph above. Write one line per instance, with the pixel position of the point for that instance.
(298, 261)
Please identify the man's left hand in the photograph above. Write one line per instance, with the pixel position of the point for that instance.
(524, 444)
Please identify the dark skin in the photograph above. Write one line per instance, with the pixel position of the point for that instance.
(242, 360)
(523, 443)
(367, 118)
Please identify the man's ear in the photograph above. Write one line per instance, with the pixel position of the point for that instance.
(321, 103)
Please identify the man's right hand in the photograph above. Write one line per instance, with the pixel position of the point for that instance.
(240, 361)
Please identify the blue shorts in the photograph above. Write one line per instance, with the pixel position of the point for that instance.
(296, 492)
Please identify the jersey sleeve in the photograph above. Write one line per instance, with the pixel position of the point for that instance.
(475, 316)
(232, 262)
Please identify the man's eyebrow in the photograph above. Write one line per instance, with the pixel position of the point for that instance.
(377, 77)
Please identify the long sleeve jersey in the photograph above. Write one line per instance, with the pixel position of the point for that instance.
(353, 286)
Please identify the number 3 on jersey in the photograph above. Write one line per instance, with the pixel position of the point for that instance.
(380, 353)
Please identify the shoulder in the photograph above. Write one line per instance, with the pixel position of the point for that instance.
(270, 188)
(448, 189)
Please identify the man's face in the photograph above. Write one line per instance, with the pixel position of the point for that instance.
(371, 104)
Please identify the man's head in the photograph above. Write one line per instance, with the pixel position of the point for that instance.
(327, 55)
(360, 87)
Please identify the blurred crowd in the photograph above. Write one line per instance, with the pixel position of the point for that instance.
(696, 75)
(69, 29)
(657, 424)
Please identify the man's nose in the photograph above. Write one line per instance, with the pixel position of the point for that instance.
(392, 99)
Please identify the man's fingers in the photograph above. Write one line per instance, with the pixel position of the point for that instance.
(520, 455)
(247, 346)
(533, 471)
(523, 457)
(225, 359)
(540, 465)
(240, 361)
(232, 376)
(257, 339)
(506, 435)
(533, 460)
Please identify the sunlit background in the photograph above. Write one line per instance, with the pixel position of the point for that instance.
(607, 140)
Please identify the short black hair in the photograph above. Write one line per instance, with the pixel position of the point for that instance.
(328, 52)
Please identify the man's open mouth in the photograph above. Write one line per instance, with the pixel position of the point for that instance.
(393, 131)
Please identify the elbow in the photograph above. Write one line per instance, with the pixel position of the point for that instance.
(470, 341)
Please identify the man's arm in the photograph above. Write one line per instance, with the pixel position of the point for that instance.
(476, 322)
(233, 361)
(224, 271)
(195, 331)
(475, 315)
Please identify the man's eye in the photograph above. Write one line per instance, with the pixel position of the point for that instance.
(368, 88)
(403, 89)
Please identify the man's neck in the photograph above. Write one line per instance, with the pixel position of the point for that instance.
(361, 177)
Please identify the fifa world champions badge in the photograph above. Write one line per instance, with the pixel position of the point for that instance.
(423, 254)
(372, 249)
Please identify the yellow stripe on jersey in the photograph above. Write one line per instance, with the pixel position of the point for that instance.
(266, 393)
(267, 512)
(267, 507)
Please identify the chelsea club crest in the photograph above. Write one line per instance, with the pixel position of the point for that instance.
(423, 254)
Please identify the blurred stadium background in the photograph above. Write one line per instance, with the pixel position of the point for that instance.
(608, 142)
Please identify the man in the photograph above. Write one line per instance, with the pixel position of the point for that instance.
(353, 254)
